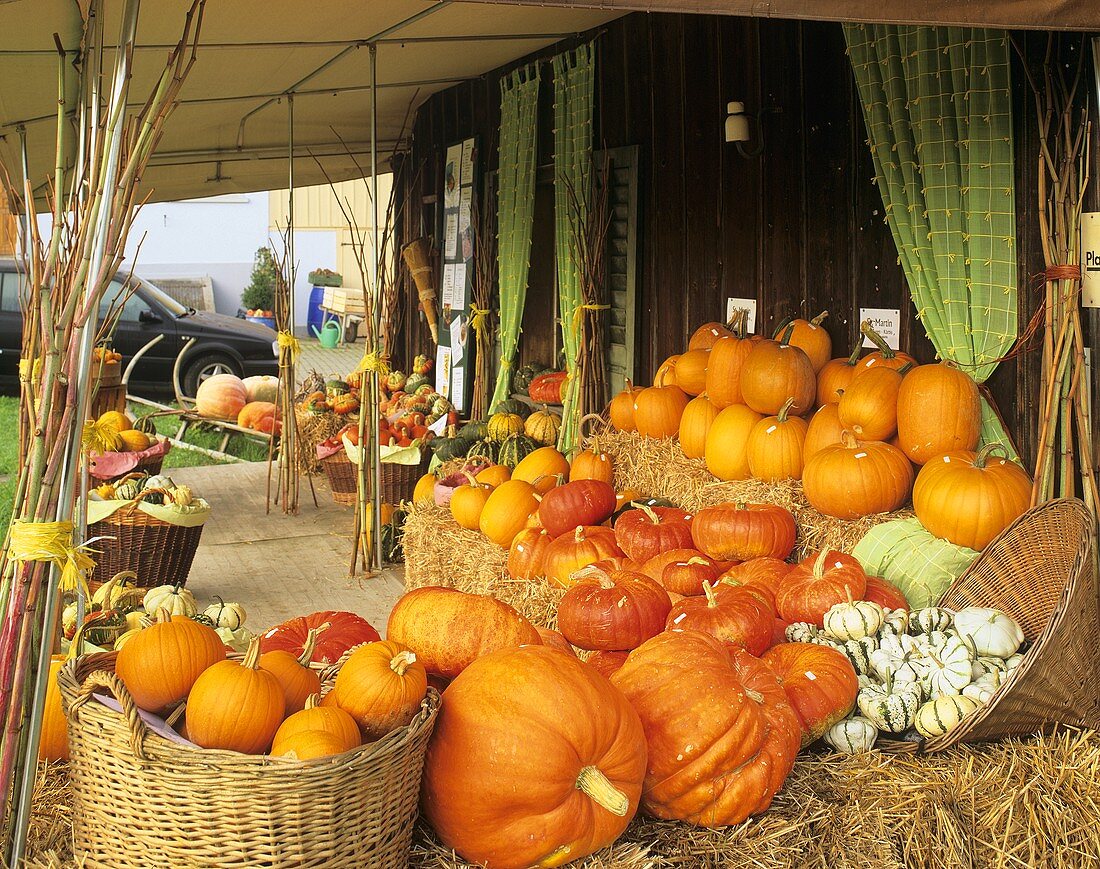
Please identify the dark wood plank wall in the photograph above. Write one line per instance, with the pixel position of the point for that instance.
(801, 227)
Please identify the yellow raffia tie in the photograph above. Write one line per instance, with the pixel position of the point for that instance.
(578, 314)
(52, 542)
(99, 437)
(29, 372)
(480, 318)
(376, 363)
(291, 344)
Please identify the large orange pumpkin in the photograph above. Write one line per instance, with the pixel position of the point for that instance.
(739, 617)
(820, 684)
(726, 452)
(706, 335)
(160, 664)
(939, 410)
(775, 446)
(885, 356)
(592, 464)
(576, 549)
(695, 423)
(515, 777)
(727, 356)
(836, 374)
(813, 339)
(297, 679)
(738, 532)
(526, 554)
(969, 498)
(869, 406)
(775, 371)
(506, 511)
(541, 469)
(657, 411)
(582, 502)
(722, 735)
(853, 478)
(645, 531)
(818, 583)
(823, 431)
(447, 629)
(691, 371)
(221, 396)
(612, 610)
(622, 408)
(381, 686)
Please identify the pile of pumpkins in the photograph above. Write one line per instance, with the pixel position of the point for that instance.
(512, 432)
(156, 489)
(250, 403)
(864, 435)
(115, 431)
(541, 384)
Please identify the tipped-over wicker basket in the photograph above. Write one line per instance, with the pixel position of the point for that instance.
(143, 801)
(1040, 572)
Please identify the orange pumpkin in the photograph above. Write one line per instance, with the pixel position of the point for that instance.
(869, 406)
(836, 374)
(494, 475)
(447, 629)
(775, 446)
(762, 575)
(716, 756)
(527, 553)
(592, 464)
(823, 431)
(939, 410)
(294, 674)
(576, 549)
(606, 663)
(622, 408)
(695, 423)
(654, 567)
(775, 371)
(813, 339)
(645, 531)
(727, 356)
(885, 594)
(554, 640)
(612, 610)
(854, 479)
(499, 730)
(311, 745)
(687, 576)
(258, 416)
(820, 684)
(969, 498)
(325, 717)
(691, 371)
(739, 617)
(657, 411)
(625, 496)
(738, 532)
(666, 372)
(541, 469)
(424, 492)
(885, 356)
(468, 501)
(235, 706)
(381, 686)
(726, 452)
(507, 510)
(706, 335)
(53, 740)
(818, 583)
(221, 396)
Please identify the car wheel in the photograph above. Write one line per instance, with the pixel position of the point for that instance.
(204, 368)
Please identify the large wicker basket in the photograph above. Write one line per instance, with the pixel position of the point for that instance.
(141, 801)
(398, 481)
(1040, 572)
(341, 474)
(150, 547)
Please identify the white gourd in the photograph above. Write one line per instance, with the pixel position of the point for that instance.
(943, 714)
(225, 615)
(865, 681)
(890, 708)
(1011, 663)
(985, 664)
(990, 631)
(801, 632)
(982, 690)
(948, 667)
(932, 618)
(160, 481)
(894, 622)
(852, 735)
(859, 653)
(178, 601)
(853, 619)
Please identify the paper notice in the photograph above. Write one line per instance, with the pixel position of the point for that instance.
(458, 390)
(466, 176)
(450, 236)
(748, 305)
(447, 294)
(443, 371)
(458, 333)
(885, 321)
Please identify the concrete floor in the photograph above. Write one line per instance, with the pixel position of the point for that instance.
(280, 566)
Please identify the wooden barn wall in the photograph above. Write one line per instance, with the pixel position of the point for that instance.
(800, 227)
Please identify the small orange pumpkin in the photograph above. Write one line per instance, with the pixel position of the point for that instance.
(622, 408)
(691, 371)
(695, 423)
(311, 745)
(727, 356)
(593, 464)
(381, 686)
(836, 374)
(666, 373)
(298, 681)
(706, 335)
(525, 555)
(318, 716)
(542, 468)
(494, 475)
(885, 356)
(813, 339)
(506, 511)
(775, 445)
(424, 492)
(823, 431)
(774, 371)
(467, 502)
(657, 411)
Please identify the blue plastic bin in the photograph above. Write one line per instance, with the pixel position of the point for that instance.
(315, 316)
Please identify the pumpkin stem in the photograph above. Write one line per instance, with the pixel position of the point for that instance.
(885, 349)
(401, 662)
(252, 656)
(785, 341)
(755, 695)
(848, 439)
(819, 319)
(311, 643)
(785, 409)
(737, 322)
(578, 534)
(906, 368)
(783, 324)
(857, 349)
(708, 590)
(648, 511)
(982, 458)
(696, 559)
(819, 563)
(596, 786)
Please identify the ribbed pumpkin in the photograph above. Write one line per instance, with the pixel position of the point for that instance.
(740, 531)
(543, 427)
(542, 468)
(706, 335)
(622, 408)
(592, 463)
(775, 371)
(939, 411)
(526, 554)
(686, 576)
(869, 406)
(294, 674)
(235, 706)
(221, 396)
(727, 356)
(381, 686)
(726, 452)
(582, 502)
(824, 430)
(657, 411)
(813, 339)
(571, 551)
(854, 479)
(885, 356)
(691, 371)
(666, 372)
(317, 716)
(494, 475)
(820, 684)
(775, 446)
(836, 374)
(612, 610)
(507, 510)
(502, 426)
(646, 531)
(424, 491)
(817, 583)
(695, 423)
(969, 498)
(739, 617)
(467, 502)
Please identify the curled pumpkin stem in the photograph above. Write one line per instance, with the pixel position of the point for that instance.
(595, 785)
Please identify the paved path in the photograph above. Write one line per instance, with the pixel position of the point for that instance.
(280, 566)
(341, 360)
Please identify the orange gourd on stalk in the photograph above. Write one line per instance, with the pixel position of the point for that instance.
(526, 554)
(854, 478)
(836, 374)
(813, 339)
(666, 373)
(824, 430)
(820, 684)
(235, 706)
(592, 464)
(541, 469)
(695, 423)
(775, 371)
(494, 475)
(294, 674)
(869, 406)
(576, 549)
(622, 408)
(969, 498)
(381, 686)
(706, 335)
(506, 511)
(727, 356)
(467, 502)
(885, 356)
(939, 411)
(691, 371)
(657, 411)
(317, 716)
(726, 451)
(775, 446)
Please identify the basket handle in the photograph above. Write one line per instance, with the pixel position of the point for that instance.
(109, 680)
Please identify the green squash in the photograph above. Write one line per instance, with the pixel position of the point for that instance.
(514, 449)
(521, 380)
(336, 387)
(451, 448)
(514, 405)
(483, 448)
(414, 382)
(474, 430)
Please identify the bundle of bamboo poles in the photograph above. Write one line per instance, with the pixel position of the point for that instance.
(481, 309)
(93, 203)
(287, 489)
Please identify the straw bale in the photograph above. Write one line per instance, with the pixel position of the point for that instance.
(312, 429)
(658, 468)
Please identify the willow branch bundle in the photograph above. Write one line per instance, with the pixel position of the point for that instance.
(288, 488)
(1065, 437)
(481, 318)
(66, 275)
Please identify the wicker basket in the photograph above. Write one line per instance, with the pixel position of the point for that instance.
(134, 540)
(1040, 572)
(398, 481)
(143, 801)
(341, 475)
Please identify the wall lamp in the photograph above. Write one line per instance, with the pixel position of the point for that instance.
(738, 129)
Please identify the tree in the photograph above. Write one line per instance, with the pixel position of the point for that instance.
(260, 293)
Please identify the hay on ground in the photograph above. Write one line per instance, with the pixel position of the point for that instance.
(312, 430)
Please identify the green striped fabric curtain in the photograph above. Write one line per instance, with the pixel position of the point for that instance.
(573, 99)
(938, 109)
(519, 101)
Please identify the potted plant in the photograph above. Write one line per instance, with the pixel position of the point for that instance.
(326, 278)
(258, 298)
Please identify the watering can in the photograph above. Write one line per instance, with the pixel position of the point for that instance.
(330, 334)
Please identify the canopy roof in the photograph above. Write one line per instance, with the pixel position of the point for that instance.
(230, 131)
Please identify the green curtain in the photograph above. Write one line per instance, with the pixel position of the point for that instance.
(573, 98)
(938, 108)
(519, 101)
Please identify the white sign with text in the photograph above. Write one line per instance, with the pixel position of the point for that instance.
(1090, 259)
(749, 305)
(885, 321)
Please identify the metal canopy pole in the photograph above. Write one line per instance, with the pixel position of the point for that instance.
(376, 510)
(290, 210)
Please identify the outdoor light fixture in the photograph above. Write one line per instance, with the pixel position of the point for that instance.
(737, 130)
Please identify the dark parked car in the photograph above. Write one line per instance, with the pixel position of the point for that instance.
(223, 344)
